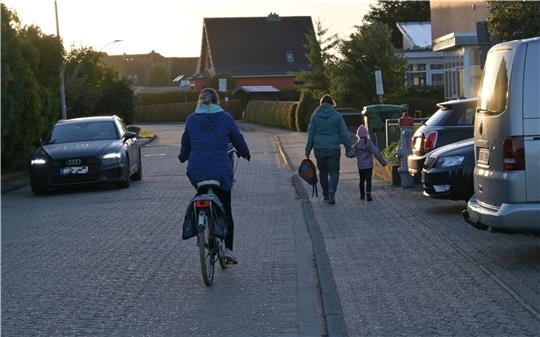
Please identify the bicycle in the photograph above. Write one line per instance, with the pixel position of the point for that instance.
(211, 248)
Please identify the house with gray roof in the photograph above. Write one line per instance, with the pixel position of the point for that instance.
(255, 51)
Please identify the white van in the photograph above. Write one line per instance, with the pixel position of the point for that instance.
(507, 141)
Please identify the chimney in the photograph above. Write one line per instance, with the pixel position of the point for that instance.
(273, 17)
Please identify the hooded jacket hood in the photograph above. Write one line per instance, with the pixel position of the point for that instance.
(208, 109)
(325, 111)
(208, 121)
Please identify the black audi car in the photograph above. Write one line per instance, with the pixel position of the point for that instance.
(86, 150)
(454, 121)
(448, 171)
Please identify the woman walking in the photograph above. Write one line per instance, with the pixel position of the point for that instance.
(327, 131)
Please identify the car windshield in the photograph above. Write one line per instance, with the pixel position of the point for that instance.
(84, 131)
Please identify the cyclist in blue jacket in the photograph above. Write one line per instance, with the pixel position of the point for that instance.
(205, 142)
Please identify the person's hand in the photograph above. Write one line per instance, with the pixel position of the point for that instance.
(248, 157)
(307, 156)
(385, 164)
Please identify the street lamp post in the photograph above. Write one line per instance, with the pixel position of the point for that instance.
(62, 87)
(107, 44)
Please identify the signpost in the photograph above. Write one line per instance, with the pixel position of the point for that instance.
(379, 85)
(223, 85)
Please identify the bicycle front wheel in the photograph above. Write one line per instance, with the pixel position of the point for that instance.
(205, 253)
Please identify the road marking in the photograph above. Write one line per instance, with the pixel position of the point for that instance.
(155, 155)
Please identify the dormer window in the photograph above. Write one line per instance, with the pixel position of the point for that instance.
(290, 56)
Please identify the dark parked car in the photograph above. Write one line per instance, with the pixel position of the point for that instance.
(86, 150)
(453, 121)
(448, 171)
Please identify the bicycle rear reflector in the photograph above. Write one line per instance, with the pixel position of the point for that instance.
(202, 204)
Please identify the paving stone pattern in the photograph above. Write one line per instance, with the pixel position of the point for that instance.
(102, 261)
(401, 268)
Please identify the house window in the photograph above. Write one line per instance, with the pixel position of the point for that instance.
(290, 56)
(437, 79)
(417, 67)
(416, 79)
(437, 66)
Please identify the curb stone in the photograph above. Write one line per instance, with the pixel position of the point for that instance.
(332, 312)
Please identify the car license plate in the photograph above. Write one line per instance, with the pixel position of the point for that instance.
(65, 171)
(483, 156)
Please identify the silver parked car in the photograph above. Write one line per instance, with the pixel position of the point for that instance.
(507, 141)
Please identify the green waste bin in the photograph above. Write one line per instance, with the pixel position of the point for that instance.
(375, 117)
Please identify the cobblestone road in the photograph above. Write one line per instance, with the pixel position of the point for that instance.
(104, 261)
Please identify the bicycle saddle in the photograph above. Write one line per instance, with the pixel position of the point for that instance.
(214, 183)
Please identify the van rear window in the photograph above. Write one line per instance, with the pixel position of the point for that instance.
(494, 85)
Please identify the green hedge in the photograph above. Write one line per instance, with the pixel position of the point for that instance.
(309, 100)
(166, 97)
(234, 107)
(164, 113)
(172, 97)
(272, 113)
(178, 112)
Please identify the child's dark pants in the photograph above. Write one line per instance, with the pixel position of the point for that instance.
(365, 179)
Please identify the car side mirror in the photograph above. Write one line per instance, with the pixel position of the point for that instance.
(129, 135)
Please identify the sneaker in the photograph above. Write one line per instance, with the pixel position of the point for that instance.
(331, 199)
(325, 197)
(229, 257)
(369, 197)
(362, 197)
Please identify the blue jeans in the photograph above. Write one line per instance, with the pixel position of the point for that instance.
(328, 165)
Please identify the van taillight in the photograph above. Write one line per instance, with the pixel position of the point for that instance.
(514, 154)
(429, 141)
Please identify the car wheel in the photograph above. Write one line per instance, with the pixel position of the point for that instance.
(36, 190)
(138, 175)
(125, 179)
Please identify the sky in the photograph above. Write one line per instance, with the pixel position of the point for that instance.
(172, 28)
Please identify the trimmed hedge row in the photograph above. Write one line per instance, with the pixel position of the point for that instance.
(172, 97)
(272, 113)
(234, 107)
(178, 112)
(164, 113)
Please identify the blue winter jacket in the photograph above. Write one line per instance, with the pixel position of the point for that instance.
(327, 130)
(204, 145)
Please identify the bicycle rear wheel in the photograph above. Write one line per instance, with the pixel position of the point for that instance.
(221, 253)
(206, 254)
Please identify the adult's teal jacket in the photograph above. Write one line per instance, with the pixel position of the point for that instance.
(204, 145)
(327, 130)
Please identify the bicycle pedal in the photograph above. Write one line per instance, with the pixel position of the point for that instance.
(230, 262)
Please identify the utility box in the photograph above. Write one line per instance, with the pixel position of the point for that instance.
(375, 117)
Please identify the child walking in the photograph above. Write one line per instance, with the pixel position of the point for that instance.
(363, 149)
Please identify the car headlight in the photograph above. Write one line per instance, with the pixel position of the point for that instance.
(112, 155)
(38, 161)
(449, 161)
